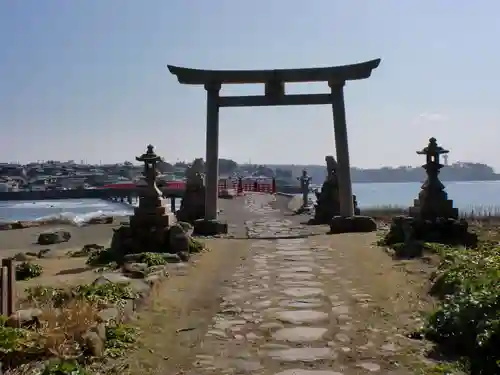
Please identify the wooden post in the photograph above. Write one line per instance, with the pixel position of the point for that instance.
(8, 276)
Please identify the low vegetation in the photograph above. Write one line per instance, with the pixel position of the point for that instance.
(28, 270)
(107, 257)
(466, 322)
(465, 326)
(57, 334)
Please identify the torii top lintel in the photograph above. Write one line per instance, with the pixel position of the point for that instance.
(328, 74)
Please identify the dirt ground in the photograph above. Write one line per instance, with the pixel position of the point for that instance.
(176, 322)
(172, 330)
(59, 271)
(25, 239)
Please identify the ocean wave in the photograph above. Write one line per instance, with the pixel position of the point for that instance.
(60, 205)
(81, 219)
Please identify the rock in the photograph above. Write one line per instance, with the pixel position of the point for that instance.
(135, 270)
(171, 258)
(352, 224)
(178, 239)
(204, 227)
(25, 224)
(53, 237)
(110, 277)
(89, 248)
(23, 257)
(100, 330)
(24, 318)
(132, 258)
(5, 226)
(185, 226)
(101, 220)
(94, 343)
(227, 194)
(47, 253)
(184, 255)
(109, 314)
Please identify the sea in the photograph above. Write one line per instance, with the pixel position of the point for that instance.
(480, 197)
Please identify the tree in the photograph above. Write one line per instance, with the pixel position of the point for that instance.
(165, 167)
(227, 166)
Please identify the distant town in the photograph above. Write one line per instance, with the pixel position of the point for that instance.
(59, 175)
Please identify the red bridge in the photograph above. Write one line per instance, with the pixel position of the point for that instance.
(267, 186)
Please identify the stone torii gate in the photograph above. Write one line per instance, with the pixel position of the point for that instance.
(274, 81)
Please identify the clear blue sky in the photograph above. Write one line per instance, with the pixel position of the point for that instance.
(87, 79)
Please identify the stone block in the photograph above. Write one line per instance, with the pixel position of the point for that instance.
(204, 227)
(352, 224)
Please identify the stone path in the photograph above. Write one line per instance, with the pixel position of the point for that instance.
(291, 311)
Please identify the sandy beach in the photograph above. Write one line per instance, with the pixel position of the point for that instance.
(21, 240)
(24, 240)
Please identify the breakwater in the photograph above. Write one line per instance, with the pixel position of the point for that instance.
(82, 194)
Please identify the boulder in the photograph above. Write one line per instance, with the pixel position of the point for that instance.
(101, 220)
(24, 318)
(204, 227)
(25, 224)
(171, 258)
(91, 247)
(178, 239)
(47, 253)
(352, 224)
(53, 237)
(5, 226)
(227, 194)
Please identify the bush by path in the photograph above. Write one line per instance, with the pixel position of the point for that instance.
(466, 322)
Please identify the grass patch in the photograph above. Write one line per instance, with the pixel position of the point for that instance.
(108, 293)
(119, 338)
(152, 259)
(466, 322)
(28, 270)
(195, 246)
(59, 331)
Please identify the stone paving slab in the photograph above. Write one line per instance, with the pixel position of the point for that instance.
(291, 311)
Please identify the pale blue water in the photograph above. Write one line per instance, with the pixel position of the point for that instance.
(467, 196)
(77, 211)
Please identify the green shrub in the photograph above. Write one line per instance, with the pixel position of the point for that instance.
(64, 367)
(14, 340)
(467, 320)
(27, 270)
(99, 293)
(195, 246)
(152, 259)
(119, 338)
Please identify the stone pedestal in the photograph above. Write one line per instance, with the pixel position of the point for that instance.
(193, 204)
(432, 205)
(432, 217)
(328, 203)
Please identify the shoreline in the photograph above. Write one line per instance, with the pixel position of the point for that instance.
(25, 224)
(25, 240)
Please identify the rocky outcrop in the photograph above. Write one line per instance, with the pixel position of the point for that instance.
(352, 224)
(53, 237)
(101, 220)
